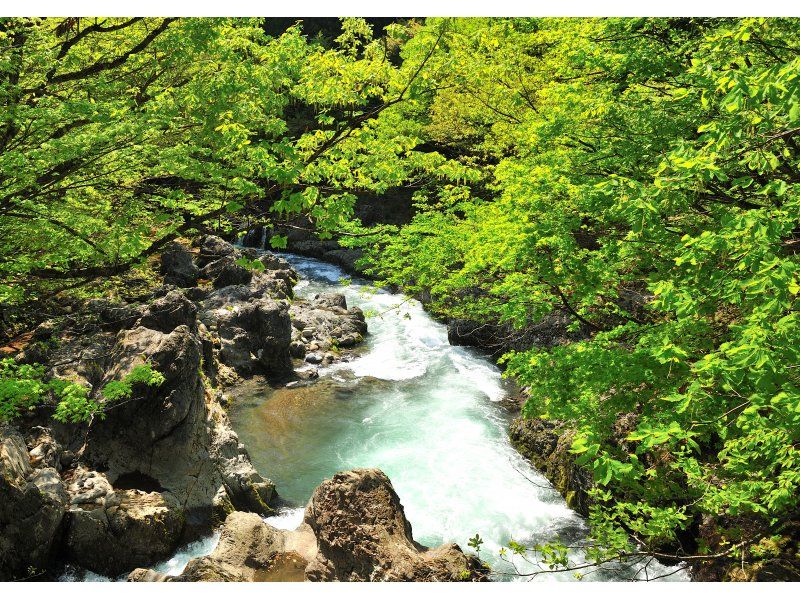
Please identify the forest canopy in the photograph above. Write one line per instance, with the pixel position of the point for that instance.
(639, 176)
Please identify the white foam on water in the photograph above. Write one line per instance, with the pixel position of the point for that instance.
(438, 434)
(287, 518)
(178, 562)
(172, 566)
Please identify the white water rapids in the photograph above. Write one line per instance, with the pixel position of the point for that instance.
(427, 414)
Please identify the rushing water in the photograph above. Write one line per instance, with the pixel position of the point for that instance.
(426, 413)
(172, 566)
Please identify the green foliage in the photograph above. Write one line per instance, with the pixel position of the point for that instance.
(640, 177)
(119, 135)
(123, 389)
(637, 176)
(23, 388)
(255, 264)
(475, 543)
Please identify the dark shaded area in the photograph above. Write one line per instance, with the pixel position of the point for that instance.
(326, 28)
(136, 480)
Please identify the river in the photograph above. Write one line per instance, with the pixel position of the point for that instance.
(429, 415)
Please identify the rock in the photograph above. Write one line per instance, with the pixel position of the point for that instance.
(308, 374)
(274, 262)
(226, 272)
(214, 248)
(168, 312)
(254, 331)
(149, 575)
(297, 349)
(314, 358)
(354, 529)
(45, 331)
(114, 315)
(112, 531)
(330, 300)
(363, 535)
(177, 266)
(256, 237)
(546, 444)
(45, 451)
(347, 259)
(32, 505)
(246, 489)
(325, 322)
(162, 432)
(232, 274)
(196, 294)
(248, 550)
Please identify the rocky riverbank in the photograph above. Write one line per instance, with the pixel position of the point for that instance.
(163, 466)
(354, 529)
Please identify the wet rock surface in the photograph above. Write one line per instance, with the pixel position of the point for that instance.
(354, 529)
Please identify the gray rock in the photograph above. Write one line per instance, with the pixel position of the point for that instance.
(112, 531)
(214, 248)
(168, 312)
(331, 300)
(246, 489)
(254, 331)
(45, 451)
(32, 505)
(178, 267)
(325, 322)
(314, 358)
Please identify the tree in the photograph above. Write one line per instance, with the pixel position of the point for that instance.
(119, 135)
(641, 176)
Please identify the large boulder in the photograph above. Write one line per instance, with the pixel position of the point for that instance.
(325, 323)
(178, 267)
(547, 445)
(354, 529)
(250, 550)
(254, 330)
(363, 535)
(164, 432)
(168, 312)
(32, 505)
(112, 531)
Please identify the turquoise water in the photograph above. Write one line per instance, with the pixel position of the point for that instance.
(426, 413)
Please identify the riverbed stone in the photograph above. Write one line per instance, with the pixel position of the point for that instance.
(363, 535)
